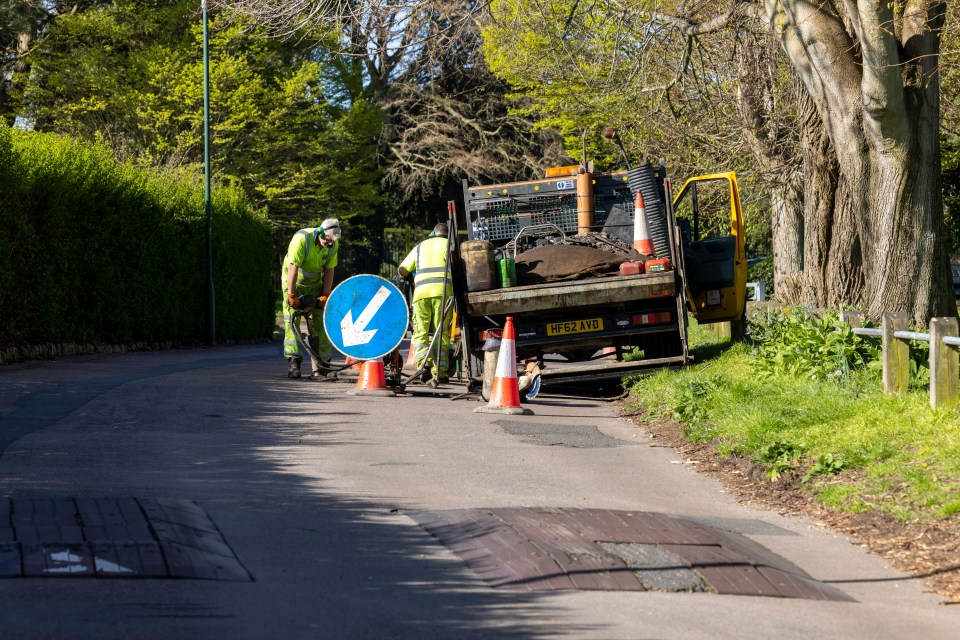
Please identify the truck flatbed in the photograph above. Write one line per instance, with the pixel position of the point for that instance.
(553, 296)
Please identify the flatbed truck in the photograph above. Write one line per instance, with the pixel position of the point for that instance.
(611, 325)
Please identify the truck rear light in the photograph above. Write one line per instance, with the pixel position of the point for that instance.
(660, 317)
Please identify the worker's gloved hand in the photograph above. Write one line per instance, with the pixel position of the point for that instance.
(293, 301)
(321, 301)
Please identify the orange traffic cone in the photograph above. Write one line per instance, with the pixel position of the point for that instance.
(641, 229)
(372, 381)
(351, 367)
(505, 393)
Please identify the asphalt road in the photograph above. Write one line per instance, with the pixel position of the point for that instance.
(312, 488)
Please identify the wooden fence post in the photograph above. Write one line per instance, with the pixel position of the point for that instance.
(896, 354)
(722, 330)
(944, 363)
(852, 317)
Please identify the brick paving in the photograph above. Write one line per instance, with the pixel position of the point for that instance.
(112, 538)
(598, 549)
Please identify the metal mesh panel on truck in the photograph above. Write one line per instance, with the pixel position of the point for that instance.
(498, 213)
(503, 219)
(604, 202)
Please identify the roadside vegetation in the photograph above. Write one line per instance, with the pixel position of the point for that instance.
(97, 251)
(805, 403)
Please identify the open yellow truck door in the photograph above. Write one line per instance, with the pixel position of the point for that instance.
(711, 236)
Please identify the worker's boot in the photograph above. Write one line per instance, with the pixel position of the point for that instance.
(433, 383)
(322, 371)
(320, 368)
(294, 370)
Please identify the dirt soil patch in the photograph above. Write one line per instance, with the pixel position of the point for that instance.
(930, 551)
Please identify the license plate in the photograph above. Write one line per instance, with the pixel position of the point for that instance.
(574, 326)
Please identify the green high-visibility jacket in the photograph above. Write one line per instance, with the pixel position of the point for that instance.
(310, 259)
(427, 262)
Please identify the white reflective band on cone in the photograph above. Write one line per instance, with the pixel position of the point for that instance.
(506, 366)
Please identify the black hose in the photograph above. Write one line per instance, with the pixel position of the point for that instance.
(306, 347)
(642, 179)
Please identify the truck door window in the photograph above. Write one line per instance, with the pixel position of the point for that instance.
(708, 244)
(704, 213)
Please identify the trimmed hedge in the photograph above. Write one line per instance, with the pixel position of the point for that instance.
(96, 251)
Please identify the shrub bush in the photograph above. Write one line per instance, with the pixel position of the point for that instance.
(92, 250)
(821, 348)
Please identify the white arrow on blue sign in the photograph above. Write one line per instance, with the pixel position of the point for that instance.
(365, 317)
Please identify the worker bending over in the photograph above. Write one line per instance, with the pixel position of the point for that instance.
(308, 270)
(428, 262)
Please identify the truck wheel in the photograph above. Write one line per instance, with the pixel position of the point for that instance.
(662, 345)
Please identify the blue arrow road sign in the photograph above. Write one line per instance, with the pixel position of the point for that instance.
(366, 317)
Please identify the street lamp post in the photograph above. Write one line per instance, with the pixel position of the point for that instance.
(211, 332)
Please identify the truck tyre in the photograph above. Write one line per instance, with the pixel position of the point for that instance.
(738, 329)
(662, 345)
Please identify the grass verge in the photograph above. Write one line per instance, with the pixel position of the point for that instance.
(854, 448)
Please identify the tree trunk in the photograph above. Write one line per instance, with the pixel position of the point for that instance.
(9, 88)
(874, 215)
(771, 138)
(786, 226)
(832, 260)
(909, 258)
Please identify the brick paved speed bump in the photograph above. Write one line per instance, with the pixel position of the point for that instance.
(112, 538)
(536, 549)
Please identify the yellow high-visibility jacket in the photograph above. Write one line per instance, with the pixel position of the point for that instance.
(427, 262)
(310, 259)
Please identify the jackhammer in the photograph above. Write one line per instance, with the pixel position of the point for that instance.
(309, 342)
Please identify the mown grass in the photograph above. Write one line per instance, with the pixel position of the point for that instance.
(855, 448)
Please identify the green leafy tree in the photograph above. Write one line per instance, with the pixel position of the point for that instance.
(22, 23)
(950, 125)
(130, 75)
(446, 117)
(870, 225)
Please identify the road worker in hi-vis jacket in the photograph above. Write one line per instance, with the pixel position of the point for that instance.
(308, 271)
(428, 261)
